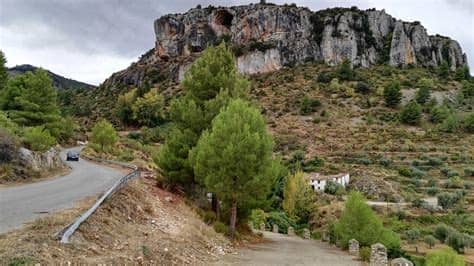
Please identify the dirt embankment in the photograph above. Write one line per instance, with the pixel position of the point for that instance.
(142, 224)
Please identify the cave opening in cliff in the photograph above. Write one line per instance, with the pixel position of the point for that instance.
(224, 18)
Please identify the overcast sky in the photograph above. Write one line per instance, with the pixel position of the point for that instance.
(88, 40)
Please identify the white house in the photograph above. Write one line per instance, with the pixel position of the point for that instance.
(318, 182)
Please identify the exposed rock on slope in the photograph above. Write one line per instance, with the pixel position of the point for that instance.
(273, 36)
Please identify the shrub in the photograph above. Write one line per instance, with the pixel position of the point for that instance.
(412, 235)
(8, 146)
(467, 89)
(333, 188)
(423, 93)
(364, 253)
(392, 94)
(411, 113)
(324, 77)
(362, 87)
(432, 191)
(345, 71)
(442, 231)
(358, 221)
(447, 199)
(469, 171)
(469, 123)
(455, 182)
(385, 162)
(209, 217)
(258, 216)
(309, 105)
(7, 124)
(403, 171)
(439, 113)
(38, 138)
(221, 228)
(450, 124)
(430, 240)
(456, 241)
(443, 258)
(104, 134)
(281, 220)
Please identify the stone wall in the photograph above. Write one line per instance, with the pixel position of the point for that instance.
(354, 247)
(378, 255)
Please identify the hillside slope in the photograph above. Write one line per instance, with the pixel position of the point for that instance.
(59, 82)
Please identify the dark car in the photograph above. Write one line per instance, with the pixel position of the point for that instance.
(72, 156)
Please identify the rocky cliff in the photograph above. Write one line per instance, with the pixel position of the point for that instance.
(266, 37)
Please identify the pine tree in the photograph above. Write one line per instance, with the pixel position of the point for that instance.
(411, 113)
(210, 84)
(234, 158)
(30, 100)
(392, 94)
(3, 72)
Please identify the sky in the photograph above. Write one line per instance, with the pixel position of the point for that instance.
(88, 40)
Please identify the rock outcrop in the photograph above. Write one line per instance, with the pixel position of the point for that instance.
(266, 37)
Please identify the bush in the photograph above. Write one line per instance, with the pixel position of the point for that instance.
(281, 220)
(385, 162)
(221, 228)
(324, 77)
(423, 93)
(358, 221)
(450, 124)
(8, 147)
(432, 191)
(469, 171)
(430, 240)
(456, 241)
(362, 87)
(334, 188)
(364, 253)
(442, 231)
(345, 71)
(258, 216)
(447, 199)
(455, 182)
(411, 113)
(209, 217)
(392, 94)
(104, 135)
(469, 123)
(309, 105)
(38, 138)
(443, 258)
(439, 113)
(412, 235)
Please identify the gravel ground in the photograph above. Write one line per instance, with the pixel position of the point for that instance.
(285, 250)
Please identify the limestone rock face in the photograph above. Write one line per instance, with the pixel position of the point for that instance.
(49, 159)
(272, 36)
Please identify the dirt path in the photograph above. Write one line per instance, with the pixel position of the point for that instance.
(285, 250)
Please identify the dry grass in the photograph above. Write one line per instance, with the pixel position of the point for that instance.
(136, 226)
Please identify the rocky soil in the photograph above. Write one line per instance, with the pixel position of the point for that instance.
(141, 225)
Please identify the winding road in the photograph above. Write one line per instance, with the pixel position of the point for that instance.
(24, 203)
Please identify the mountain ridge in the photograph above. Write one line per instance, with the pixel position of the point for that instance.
(59, 82)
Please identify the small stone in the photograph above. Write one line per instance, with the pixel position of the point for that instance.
(291, 231)
(306, 233)
(354, 247)
(169, 199)
(275, 228)
(166, 249)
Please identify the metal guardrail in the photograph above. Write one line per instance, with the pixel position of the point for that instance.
(68, 231)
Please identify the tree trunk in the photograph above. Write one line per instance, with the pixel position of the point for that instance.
(216, 206)
(233, 219)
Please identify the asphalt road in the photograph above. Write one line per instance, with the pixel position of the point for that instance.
(288, 250)
(24, 203)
